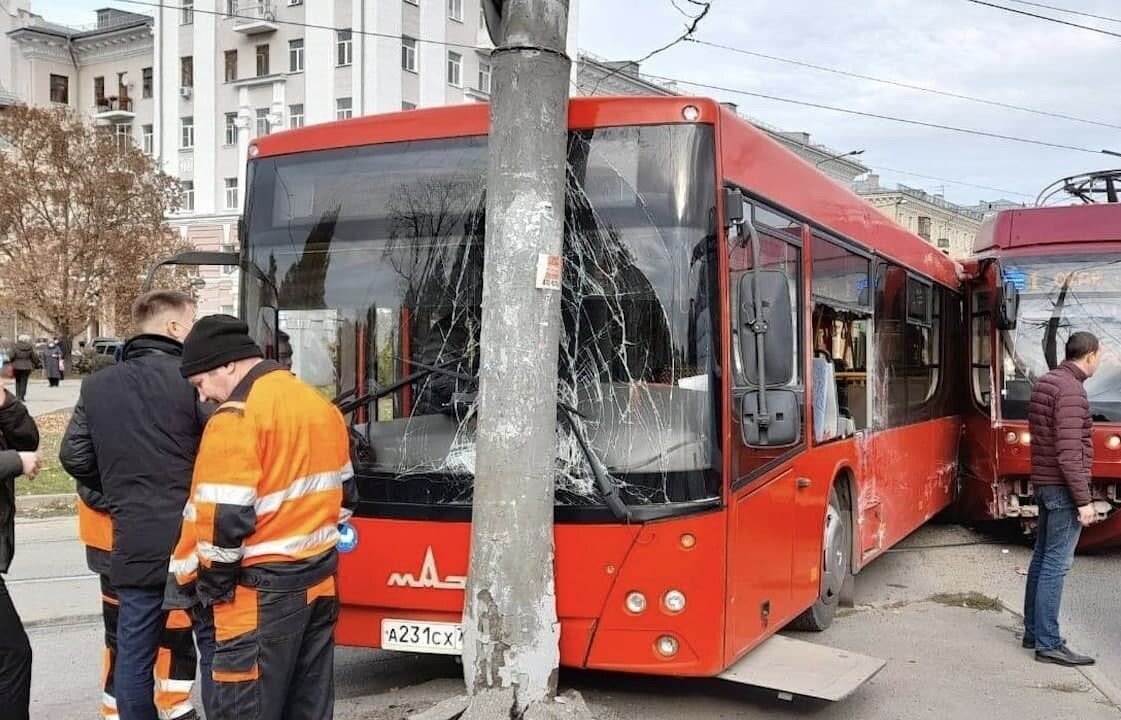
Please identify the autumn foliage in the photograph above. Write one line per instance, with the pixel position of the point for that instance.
(81, 219)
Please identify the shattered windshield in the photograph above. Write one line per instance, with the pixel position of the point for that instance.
(1059, 296)
(376, 254)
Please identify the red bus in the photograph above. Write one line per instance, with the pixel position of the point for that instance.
(1039, 274)
(756, 384)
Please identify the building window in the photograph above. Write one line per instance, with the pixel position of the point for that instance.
(231, 128)
(186, 71)
(187, 15)
(122, 88)
(146, 82)
(227, 309)
(99, 91)
(187, 195)
(187, 134)
(123, 135)
(148, 137)
(944, 243)
(343, 109)
(406, 105)
(296, 116)
(924, 227)
(231, 8)
(455, 69)
(262, 60)
(296, 55)
(408, 54)
(262, 122)
(229, 249)
(455, 10)
(231, 65)
(60, 89)
(231, 193)
(484, 76)
(345, 47)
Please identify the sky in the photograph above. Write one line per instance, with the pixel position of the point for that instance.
(950, 45)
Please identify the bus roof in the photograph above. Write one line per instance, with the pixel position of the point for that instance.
(764, 167)
(750, 158)
(1049, 226)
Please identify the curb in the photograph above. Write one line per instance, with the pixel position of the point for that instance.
(35, 503)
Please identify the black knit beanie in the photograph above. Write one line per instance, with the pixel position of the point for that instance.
(214, 341)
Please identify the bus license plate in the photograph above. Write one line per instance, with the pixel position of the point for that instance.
(422, 637)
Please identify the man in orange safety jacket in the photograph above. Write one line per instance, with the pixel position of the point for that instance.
(272, 483)
(176, 658)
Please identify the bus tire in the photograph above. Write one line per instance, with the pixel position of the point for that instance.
(836, 567)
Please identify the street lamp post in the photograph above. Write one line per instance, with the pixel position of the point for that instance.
(851, 153)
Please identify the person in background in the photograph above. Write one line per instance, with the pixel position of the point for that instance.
(272, 483)
(53, 363)
(133, 437)
(1062, 456)
(24, 359)
(19, 437)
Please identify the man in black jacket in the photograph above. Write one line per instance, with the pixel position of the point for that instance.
(18, 440)
(133, 436)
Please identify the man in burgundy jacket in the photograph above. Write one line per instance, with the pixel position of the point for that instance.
(1061, 457)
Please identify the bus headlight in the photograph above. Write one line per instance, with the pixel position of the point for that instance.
(667, 646)
(1025, 438)
(1114, 442)
(1011, 438)
(636, 602)
(691, 113)
(674, 601)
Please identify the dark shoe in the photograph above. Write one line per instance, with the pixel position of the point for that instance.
(1063, 656)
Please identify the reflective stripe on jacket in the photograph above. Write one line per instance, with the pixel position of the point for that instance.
(272, 482)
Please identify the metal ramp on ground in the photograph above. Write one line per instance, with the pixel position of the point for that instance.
(795, 667)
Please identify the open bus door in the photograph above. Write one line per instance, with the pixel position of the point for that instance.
(268, 317)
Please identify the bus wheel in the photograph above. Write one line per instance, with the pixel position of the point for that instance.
(836, 567)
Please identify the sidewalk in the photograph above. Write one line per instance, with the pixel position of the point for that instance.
(43, 399)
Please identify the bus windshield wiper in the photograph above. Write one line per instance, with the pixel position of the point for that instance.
(347, 403)
(608, 489)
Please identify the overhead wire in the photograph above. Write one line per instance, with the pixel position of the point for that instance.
(880, 116)
(1066, 10)
(1037, 16)
(897, 83)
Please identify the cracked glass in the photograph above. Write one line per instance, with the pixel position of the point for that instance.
(374, 257)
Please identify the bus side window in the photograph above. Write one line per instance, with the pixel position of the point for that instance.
(841, 325)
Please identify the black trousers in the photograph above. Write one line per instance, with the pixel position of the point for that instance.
(21, 384)
(15, 661)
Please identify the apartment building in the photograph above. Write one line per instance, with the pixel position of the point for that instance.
(103, 71)
(951, 228)
(228, 71)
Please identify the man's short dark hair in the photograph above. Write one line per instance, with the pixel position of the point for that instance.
(157, 302)
(1081, 344)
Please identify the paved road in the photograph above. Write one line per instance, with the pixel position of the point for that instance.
(943, 662)
(43, 399)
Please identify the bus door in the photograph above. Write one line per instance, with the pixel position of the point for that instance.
(765, 459)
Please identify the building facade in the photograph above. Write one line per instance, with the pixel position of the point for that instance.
(949, 227)
(228, 71)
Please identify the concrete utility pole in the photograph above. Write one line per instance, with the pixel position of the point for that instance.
(511, 634)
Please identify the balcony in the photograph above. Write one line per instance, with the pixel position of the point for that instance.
(252, 18)
(114, 110)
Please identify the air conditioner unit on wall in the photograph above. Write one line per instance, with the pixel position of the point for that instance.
(185, 92)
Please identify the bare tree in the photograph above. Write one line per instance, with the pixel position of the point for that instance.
(81, 219)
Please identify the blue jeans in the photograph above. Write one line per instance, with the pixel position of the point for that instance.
(140, 622)
(1055, 540)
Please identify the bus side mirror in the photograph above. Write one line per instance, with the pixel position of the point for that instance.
(1007, 306)
(782, 425)
(775, 327)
